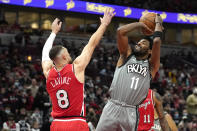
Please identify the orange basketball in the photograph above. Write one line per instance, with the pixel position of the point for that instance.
(149, 20)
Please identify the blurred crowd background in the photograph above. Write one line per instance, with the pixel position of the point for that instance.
(24, 102)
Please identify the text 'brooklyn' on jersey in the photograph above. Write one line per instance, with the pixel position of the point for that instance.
(66, 93)
(131, 81)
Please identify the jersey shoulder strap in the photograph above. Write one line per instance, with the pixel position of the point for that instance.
(126, 60)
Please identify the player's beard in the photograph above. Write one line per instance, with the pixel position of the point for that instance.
(70, 60)
(140, 53)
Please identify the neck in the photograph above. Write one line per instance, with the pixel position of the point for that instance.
(60, 66)
(141, 57)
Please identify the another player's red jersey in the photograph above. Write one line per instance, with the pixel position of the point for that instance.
(66, 93)
(146, 111)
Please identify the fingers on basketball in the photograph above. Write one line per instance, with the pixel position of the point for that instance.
(149, 20)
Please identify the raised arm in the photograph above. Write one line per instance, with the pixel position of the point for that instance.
(155, 57)
(122, 40)
(83, 60)
(160, 112)
(47, 63)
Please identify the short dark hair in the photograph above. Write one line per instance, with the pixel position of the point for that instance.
(148, 38)
(54, 51)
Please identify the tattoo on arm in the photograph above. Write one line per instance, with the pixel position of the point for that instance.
(158, 97)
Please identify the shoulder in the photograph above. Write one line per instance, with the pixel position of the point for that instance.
(50, 73)
(124, 59)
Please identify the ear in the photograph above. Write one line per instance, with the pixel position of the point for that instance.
(64, 56)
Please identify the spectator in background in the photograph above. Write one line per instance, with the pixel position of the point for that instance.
(35, 127)
(3, 117)
(30, 100)
(193, 124)
(10, 125)
(36, 118)
(177, 117)
(192, 103)
(34, 87)
(92, 119)
(8, 110)
(183, 125)
(23, 125)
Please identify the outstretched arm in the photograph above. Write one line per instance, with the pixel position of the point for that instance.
(82, 61)
(155, 57)
(122, 40)
(47, 63)
(160, 112)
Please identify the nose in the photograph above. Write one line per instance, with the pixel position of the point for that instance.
(139, 43)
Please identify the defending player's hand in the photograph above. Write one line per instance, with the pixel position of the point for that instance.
(108, 15)
(56, 26)
(143, 26)
(158, 19)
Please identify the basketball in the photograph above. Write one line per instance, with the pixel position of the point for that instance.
(149, 20)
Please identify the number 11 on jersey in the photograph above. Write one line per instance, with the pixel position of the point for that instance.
(134, 83)
(146, 118)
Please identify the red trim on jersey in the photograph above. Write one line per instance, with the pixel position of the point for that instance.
(146, 111)
(70, 119)
(152, 97)
(82, 107)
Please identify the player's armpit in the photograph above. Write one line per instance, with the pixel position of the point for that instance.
(171, 123)
(123, 58)
(46, 66)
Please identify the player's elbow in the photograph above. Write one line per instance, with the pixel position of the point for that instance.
(120, 31)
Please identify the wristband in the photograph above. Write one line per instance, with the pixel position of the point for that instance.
(158, 34)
